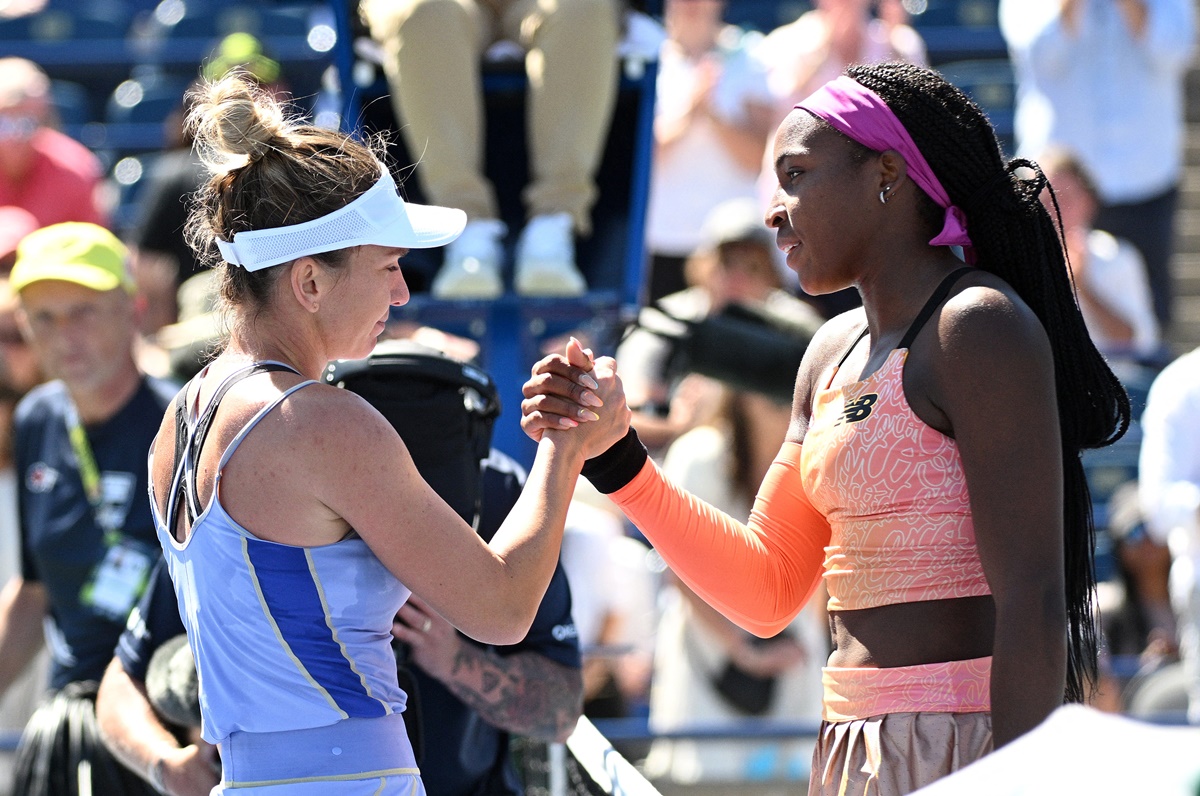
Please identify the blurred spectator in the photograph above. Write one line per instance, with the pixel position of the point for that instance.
(192, 341)
(706, 669)
(19, 366)
(1108, 272)
(1143, 624)
(87, 538)
(712, 107)
(42, 170)
(431, 56)
(1105, 78)
(161, 259)
(613, 589)
(161, 745)
(1169, 491)
(18, 373)
(23, 696)
(734, 265)
(802, 56)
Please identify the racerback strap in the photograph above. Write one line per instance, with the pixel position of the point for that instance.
(935, 300)
(190, 440)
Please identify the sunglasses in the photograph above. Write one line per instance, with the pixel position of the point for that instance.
(17, 127)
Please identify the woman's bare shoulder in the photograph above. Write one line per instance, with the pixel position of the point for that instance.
(987, 316)
(990, 345)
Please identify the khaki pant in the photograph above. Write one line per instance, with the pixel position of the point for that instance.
(431, 59)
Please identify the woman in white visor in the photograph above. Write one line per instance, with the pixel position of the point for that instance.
(290, 513)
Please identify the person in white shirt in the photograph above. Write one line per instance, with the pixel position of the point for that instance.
(1108, 272)
(1105, 78)
(713, 107)
(1169, 493)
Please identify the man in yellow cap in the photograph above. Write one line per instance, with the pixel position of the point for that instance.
(87, 536)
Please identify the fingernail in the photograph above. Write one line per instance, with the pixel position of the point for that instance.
(567, 422)
(590, 383)
(588, 414)
(591, 399)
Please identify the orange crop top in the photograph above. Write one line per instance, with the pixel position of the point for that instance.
(894, 494)
(874, 499)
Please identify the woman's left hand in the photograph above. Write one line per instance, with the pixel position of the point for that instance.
(561, 392)
(433, 642)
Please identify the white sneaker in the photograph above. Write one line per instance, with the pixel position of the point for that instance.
(546, 258)
(471, 265)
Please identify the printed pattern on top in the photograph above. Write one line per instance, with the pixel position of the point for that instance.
(895, 496)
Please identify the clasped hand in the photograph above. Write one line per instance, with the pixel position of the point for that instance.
(576, 394)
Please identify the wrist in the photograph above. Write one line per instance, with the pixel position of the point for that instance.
(618, 465)
(564, 447)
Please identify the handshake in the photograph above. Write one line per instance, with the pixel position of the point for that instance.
(577, 399)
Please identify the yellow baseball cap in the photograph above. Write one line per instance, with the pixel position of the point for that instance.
(74, 251)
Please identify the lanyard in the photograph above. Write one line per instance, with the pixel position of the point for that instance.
(89, 473)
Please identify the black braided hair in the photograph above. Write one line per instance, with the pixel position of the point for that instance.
(1015, 238)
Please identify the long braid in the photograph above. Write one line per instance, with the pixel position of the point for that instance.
(1015, 238)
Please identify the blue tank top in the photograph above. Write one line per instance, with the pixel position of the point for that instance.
(284, 637)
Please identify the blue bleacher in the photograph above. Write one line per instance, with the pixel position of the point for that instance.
(956, 30)
(765, 15)
(120, 67)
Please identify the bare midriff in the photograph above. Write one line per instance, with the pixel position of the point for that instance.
(911, 634)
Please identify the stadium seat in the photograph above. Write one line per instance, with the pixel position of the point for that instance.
(71, 103)
(958, 29)
(765, 15)
(126, 179)
(66, 21)
(137, 109)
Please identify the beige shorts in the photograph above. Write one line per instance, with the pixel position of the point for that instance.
(897, 753)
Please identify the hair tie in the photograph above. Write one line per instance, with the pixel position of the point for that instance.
(1032, 186)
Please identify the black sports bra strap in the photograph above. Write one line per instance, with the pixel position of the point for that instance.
(935, 300)
(851, 347)
(205, 422)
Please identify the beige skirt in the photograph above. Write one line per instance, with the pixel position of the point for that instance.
(897, 753)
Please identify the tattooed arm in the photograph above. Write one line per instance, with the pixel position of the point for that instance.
(525, 693)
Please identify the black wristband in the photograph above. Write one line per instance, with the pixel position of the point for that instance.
(618, 465)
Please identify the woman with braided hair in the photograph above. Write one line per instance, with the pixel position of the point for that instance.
(931, 471)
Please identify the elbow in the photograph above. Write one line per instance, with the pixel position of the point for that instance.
(765, 629)
(108, 701)
(503, 627)
(1035, 609)
(766, 623)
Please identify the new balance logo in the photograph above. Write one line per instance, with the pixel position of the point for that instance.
(858, 409)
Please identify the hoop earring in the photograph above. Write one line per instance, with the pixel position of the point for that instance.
(883, 196)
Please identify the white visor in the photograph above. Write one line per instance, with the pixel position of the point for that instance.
(379, 217)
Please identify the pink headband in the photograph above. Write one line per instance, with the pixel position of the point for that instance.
(857, 112)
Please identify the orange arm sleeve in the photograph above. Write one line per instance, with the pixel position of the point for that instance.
(758, 575)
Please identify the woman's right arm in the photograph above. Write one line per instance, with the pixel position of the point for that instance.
(490, 591)
(758, 574)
